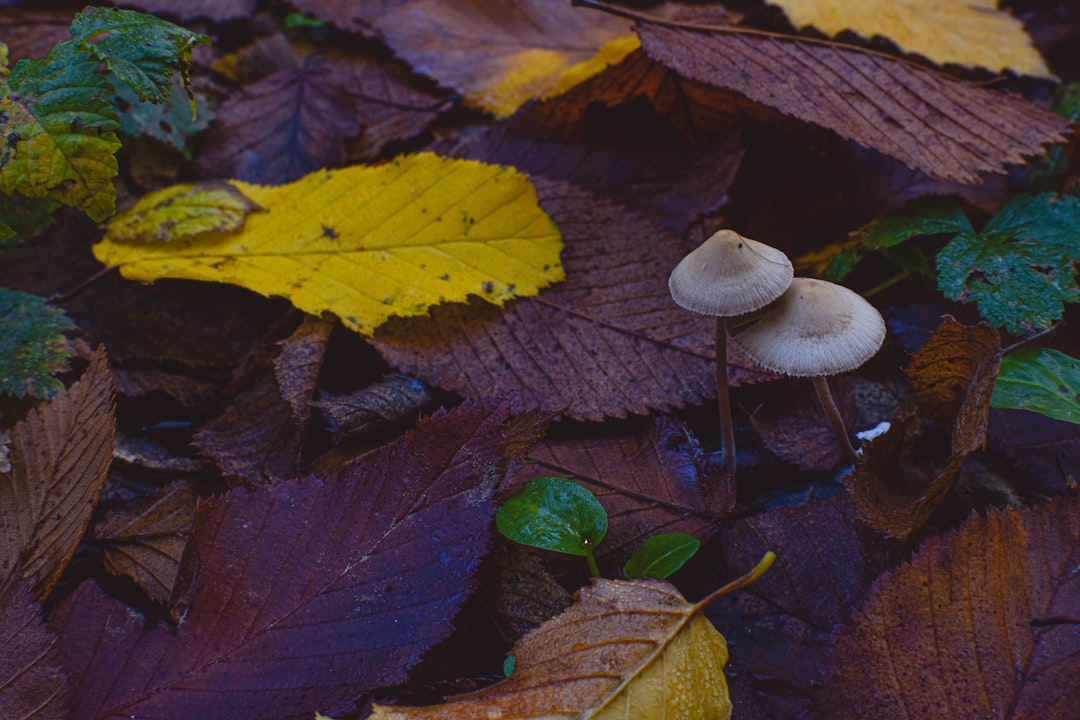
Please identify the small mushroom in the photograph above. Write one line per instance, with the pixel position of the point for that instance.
(815, 329)
(726, 276)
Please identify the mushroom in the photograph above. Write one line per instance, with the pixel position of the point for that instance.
(815, 329)
(726, 276)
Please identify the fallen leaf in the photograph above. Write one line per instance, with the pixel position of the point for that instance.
(146, 540)
(395, 401)
(32, 685)
(1041, 380)
(608, 342)
(189, 392)
(259, 436)
(1045, 451)
(789, 419)
(32, 33)
(368, 243)
(826, 562)
(525, 594)
(60, 455)
(626, 648)
(965, 32)
(216, 10)
(306, 593)
(945, 127)
(498, 54)
(182, 211)
(967, 629)
(902, 476)
(649, 482)
(32, 344)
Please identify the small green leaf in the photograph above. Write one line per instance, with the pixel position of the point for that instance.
(509, 664)
(661, 555)
(1040, 380)
(300, 20)
(1020, 269)
(170, 122)
(554, 514)
(32, 345)
(140, 49)
(25, 217)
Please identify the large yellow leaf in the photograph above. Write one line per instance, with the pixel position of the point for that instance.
(624, 649)
(966, 32)
(368, 243)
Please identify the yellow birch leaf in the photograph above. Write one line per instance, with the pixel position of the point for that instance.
(369, 243)
(625, 649)
(965, 32)
(180, 211)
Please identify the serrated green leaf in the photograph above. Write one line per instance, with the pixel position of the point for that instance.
(1041, 380)
(59, 131)
(170, 122)
(140, 50)
(32, 345)
(1020, 270)
(554, 514)
(661, 555)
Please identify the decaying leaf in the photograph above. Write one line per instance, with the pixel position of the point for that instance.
(976, 626)
(32, 344)
(32, 685)
(395, 401)
(902, 476)
(217, 10)
(791, 422)
(59, 456)
(608, 342)
(182, 211)
(525, 594)
(146, 540)
(629, 648)
(966, 32)
(945, 127)
(306, 593)
(369, 243)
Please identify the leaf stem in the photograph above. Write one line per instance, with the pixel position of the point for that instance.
(590, 558)
(738, 583)
(1055, 620)
(899, 277)
(1030, 340)
(85, 283)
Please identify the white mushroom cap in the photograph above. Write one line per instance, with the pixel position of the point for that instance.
(814, 328)
(730, 275)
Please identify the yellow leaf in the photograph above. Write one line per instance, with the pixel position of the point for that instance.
(180, 211)
(625, 649)
(965, 32)
(369, 243)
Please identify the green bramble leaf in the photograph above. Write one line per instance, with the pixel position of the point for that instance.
(32, 345)
(1020, 270)
(1040, 380)
(170, 122)
(554, 514)
(661, 555)
(139, 49)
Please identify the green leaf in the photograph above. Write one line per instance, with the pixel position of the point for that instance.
(300, 20)
(24, 217)
(59, 131)
(141, 50)
(170, 122)
(1040, 380)
(32, 345)
(1020, 269)
(661, 555)
(554, 514)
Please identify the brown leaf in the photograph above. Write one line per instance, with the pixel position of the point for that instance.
(299, 117)
(186, 391)
(957, 632)
(395, 401)
(32, 684)
(607, 342)
(259, 436)
(825, 563)
(903, 476)
(651, 482)
(791, 422)
(626, 648)
(525, 593)
(1039, 447)
(306, 593)
(216, 10)
(60, 455)
(31, 34)
(146, 540)
(940, 125)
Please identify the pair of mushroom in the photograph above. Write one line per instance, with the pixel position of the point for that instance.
(794, 326)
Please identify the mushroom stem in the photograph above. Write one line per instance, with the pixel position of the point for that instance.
(723, 399)
(821, 384)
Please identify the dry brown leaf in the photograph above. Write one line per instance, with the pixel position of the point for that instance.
(394, 401)
(930, 121)
(32, 683)
(629, 648)
(31, 34)
(607, 342)
(791, 422)
(525, 594)
(981, 624)
(60, 456)
(146, 540)
(902, 477)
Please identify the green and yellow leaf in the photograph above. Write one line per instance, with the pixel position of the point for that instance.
(370, 243)
(181, 211)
